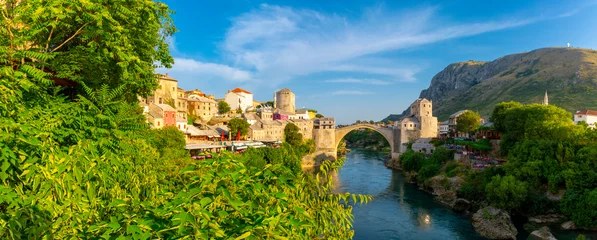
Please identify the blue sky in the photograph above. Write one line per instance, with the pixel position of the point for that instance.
(358, 59)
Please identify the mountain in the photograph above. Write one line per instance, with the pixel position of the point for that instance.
(569, 75)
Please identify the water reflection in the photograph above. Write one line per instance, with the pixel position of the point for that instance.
(399, 210)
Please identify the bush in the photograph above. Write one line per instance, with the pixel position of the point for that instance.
(476, 182)
(428, 171)
(506, 192)
(411, 160)
(452, 169)
(580, 206)
(441, 155)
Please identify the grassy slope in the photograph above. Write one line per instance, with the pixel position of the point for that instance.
(569, 76)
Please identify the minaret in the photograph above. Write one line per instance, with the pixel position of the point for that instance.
(545, 99)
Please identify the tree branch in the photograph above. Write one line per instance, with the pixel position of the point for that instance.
(70, 38)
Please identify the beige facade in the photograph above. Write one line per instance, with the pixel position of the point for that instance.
(169, 93)
(420, 119)
(265, 113)
(285, 101)
(324, 123)
(166, 93)
(267, 130)
(202, 107)
(305, 127)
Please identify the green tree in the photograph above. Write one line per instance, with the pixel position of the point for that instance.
(498, 117)
(238, 125)
(506, 192)
(319, 115)
(223, 107)
(292, 135)
(468, 122)
(371, 122)
(538, 122)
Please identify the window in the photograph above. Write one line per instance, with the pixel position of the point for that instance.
(411, 125)
(172, 88)
(579, 116)
(160, 101)
(158, 123)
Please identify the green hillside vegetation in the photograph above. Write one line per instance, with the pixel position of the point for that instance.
(569, 75)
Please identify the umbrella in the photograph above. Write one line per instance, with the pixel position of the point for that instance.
(222, 136)
(238, 136)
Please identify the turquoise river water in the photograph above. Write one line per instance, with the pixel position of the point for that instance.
(399, 209)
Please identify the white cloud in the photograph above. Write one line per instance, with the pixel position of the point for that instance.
(209, 70)
(276, 44)
(350, 92)
(357, 80)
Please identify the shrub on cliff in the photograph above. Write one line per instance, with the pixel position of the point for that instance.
(581, 206)
(506, 192)
(411, 160)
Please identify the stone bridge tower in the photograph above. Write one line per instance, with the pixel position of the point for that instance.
(420, 123)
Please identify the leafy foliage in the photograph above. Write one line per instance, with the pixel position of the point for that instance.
(468, 122)
(506, 192)
(238, 125)
(223, 107)
(292, 135)
(498, 117)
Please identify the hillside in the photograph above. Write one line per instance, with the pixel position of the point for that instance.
(569, 75)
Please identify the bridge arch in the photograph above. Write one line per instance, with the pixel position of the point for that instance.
(386, 132)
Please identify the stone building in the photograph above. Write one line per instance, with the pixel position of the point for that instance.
(161, 115)
(420, 123)
(202, 107)
(166, 93)
(239, 98)
(305, 127)
(270, 130)
(265, 113)
(285, 100)
(324, 123)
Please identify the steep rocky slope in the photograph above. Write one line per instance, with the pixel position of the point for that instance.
(569, 75)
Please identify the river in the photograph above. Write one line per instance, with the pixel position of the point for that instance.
(400, 210)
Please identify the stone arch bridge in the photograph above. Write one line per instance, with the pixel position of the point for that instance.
(327, 140)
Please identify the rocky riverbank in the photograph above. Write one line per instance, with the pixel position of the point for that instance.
(488, 221)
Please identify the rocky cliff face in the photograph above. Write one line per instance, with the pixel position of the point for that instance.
(569, 75)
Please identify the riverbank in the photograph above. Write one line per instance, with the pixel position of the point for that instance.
(450, 185)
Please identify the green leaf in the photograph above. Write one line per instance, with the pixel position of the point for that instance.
(245, 235)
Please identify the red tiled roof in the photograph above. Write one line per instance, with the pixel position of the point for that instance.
(240, 90)
(587, 112)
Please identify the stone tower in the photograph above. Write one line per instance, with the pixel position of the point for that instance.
(422, 111)
(545, 99)
(284, 100)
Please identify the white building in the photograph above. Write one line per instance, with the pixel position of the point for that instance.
(300, 114)
(239, 98)
(587, 116)
(444, 128)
